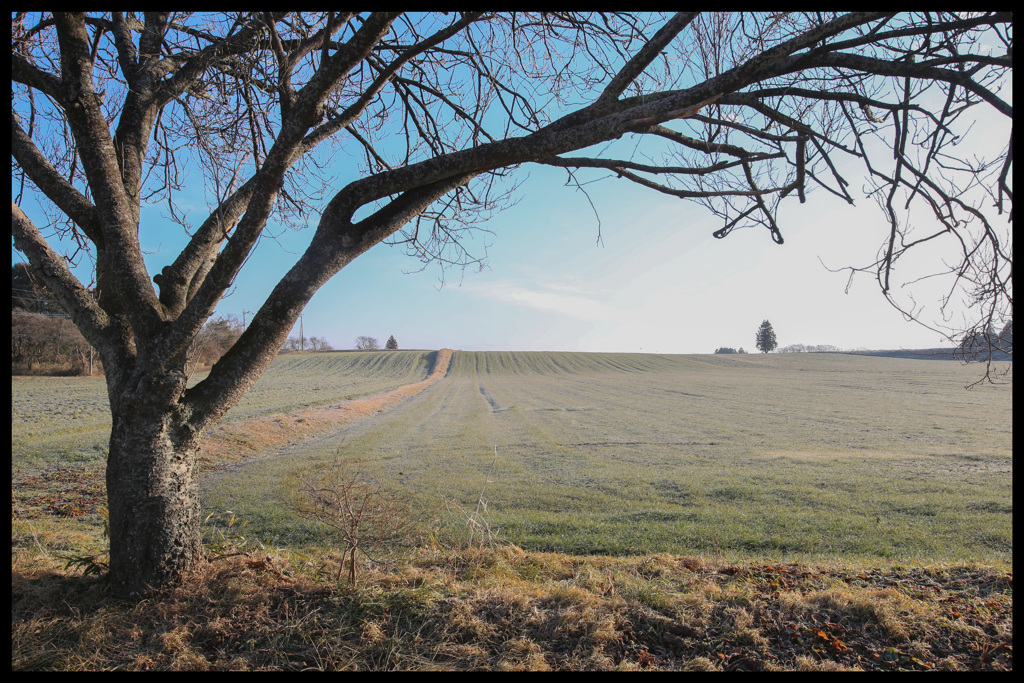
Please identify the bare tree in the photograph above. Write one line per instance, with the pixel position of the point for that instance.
(367, 343)
(212, 342)
(320, 344)
(738, 112)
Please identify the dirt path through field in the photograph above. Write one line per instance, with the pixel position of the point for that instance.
(233, 442)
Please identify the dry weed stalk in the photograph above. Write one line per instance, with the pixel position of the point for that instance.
(477, 521)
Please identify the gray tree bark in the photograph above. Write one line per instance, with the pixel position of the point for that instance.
(153, 497)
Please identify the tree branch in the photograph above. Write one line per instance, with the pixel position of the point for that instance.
(61, 282)
(51, 183)
(96, 150)
(127, 56)
(352, 112)
(267, 181)
(881, 67)
(647, 54)
(618, 164)
(336, 243)
(26, 73)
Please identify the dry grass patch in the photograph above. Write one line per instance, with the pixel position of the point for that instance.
(476, 610)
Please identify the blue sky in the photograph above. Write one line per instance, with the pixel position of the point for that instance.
(658, 282)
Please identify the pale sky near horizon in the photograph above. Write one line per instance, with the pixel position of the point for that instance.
(657, 283)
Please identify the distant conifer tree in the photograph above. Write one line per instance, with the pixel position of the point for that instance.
(391, 344)
(766, 337)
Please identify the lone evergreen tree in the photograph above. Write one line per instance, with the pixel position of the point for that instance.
(766, 337)
(391, 344)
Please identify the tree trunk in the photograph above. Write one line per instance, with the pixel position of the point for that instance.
(153, 498)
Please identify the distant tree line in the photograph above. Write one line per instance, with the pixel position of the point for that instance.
(809, 348)
(766, 343)
(362, 343)
(46, 344)
(373, 344)
(306, 344)
(45, 341)
(792, 348)
(43, 338)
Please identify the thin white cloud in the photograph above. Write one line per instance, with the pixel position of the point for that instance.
(560, 299)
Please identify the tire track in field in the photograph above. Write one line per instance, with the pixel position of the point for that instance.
(230, 443)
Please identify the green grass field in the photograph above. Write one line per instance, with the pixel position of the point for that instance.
(811, 457)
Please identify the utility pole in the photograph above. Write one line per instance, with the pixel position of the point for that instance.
(243, 319)
(302, 339)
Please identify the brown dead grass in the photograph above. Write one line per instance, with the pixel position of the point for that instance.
(502, 608)
(243, 439)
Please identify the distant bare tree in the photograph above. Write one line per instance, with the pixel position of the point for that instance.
(367, 344)
(47, 340)
(217, 336)
(734, 111)
(808, 348)
(319, 344)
